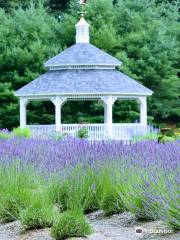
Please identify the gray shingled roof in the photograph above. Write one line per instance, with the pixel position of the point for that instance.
(82, 54)
(83, 82)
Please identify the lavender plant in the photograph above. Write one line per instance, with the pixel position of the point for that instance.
(142, 177)
(4, 134)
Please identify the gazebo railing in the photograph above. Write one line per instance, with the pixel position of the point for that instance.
(120, 131)
(94, 131)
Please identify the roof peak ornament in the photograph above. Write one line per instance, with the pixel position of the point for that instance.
(83, 4)
(82, 27)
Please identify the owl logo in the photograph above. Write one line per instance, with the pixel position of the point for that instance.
(139, 231)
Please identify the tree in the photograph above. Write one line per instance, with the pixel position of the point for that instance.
(57, 5)
(148, 46)
(144, 35)
(27, 38)
(8, 5)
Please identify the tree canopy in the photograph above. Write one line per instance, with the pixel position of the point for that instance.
(143, 34)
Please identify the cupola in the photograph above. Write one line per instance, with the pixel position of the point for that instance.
(82, 31)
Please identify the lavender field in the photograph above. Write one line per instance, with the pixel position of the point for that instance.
(40, 179)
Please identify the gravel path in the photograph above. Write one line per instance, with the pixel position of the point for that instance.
(117, 227)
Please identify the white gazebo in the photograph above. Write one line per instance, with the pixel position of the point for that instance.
(84, 72)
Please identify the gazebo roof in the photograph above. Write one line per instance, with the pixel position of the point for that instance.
(83, 69)
(77, 82)
(83, 54)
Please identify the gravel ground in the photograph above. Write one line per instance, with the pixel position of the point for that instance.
(116, 227)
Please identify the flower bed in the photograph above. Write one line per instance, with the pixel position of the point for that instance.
(40, 179)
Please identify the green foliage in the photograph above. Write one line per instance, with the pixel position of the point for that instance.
(167, 135)
(39, 213)
(15, 190)
(82, 132)
(59, 136)
(143, 35)
(23, 196)
(78, 191)
(9, 5)
(61, 199)
(70, 224)
(57, 5)
(4, 135)
(130, 187)
(22, 132)
(164, 139)
(170, 133)
(111, 202)
(148, 136)
(33, 38)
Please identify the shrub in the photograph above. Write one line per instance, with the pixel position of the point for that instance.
(82, 133)
(163, 199)
(170, 133)
(78, 191)
(59, 136)
(59, 192)
(9, 208)
(130, 187)
(111, 203)
(22, 132)
(4, 134)
(83, 190)
(70, 224)
(164, 139)
(15, 186)
(148, 136)
(39, 214)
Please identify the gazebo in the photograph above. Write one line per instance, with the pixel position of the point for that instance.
(84, 72)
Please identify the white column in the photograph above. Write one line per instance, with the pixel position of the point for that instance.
(58, 102)
(109, 101)
(143, 113)
(105, 113)
(23, 104)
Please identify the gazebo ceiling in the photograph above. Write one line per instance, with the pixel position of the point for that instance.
(83, 54)
(83, 82)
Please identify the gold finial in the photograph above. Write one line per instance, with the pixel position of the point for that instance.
(83, 4)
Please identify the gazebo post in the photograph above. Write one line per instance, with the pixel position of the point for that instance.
(58, 102)
(105, 113)
(23, 104)
(143, 111)
(108, 111)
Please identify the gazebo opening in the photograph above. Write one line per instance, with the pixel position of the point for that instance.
(126, 111)
(82, 112)
(46, 110)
